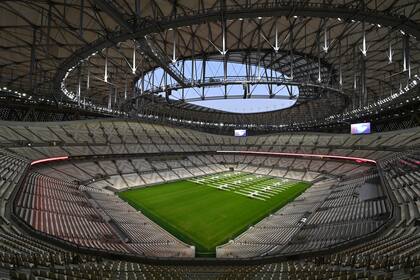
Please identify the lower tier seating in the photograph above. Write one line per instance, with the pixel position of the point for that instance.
(394, 254)
(60, 209)
(332, 215)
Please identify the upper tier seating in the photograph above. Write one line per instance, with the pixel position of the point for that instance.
(123, 137)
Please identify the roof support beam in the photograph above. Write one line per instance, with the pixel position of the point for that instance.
(146, 44)
(346, 13)
(107, 7)
(153, 51)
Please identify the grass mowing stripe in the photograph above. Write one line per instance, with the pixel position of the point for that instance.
(204, 216)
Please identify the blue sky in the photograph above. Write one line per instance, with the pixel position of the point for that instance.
(214, 70)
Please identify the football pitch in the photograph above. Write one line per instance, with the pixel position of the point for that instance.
(210, 210)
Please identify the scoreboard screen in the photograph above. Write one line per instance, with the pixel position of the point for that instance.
(240, 132)
(360, 128)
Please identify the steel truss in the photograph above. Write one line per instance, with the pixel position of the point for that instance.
(369, 48)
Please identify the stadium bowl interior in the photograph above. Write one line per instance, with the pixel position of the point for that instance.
(144, 139)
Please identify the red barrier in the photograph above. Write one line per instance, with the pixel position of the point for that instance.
(356, 159)
(49, 159)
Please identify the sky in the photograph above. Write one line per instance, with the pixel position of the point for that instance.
(215, 71)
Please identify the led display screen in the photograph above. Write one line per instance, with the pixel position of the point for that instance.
(240, 132)
(360, 128)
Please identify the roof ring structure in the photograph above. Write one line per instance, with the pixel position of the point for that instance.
(334, 54)
(223, 85)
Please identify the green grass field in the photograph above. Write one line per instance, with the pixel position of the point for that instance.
(209, 211)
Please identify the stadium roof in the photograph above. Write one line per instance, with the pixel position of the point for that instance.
(343, 55)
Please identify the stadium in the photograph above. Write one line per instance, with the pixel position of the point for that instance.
(209, 139)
